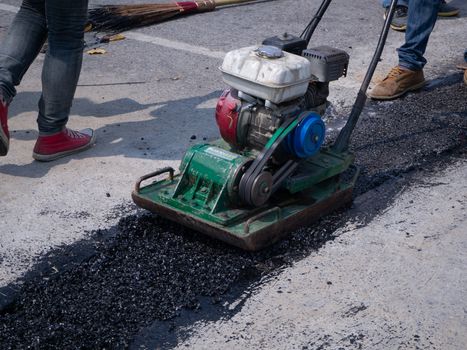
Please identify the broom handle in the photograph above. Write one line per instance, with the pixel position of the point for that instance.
(230, 2)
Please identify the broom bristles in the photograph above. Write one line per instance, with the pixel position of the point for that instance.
(119, 18)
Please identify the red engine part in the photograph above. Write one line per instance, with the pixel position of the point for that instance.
(227, 115)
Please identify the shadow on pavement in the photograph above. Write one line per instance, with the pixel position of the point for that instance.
(170, 127)
(27, 102)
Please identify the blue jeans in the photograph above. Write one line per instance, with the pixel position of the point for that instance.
(422, 15)
(62, 22)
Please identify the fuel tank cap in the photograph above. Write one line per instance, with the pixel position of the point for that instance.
(267, 51)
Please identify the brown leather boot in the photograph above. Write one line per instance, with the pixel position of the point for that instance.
(397, 83)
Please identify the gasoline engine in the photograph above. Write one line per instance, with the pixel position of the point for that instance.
(270, 172)
(271, 88)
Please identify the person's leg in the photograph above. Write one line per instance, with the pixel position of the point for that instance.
(18, 50)
(62, 66)
(399, 21)
(447, 10)
(4, 133)
(421, 21)
(21, 45)
(408, 75)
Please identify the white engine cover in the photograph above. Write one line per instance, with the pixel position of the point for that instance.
(274, 79)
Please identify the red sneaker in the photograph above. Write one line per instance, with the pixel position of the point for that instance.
(65, 142)
(4, 134)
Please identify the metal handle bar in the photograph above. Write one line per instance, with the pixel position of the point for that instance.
(169, 170)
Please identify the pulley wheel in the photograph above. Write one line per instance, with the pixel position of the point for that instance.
(261, 189)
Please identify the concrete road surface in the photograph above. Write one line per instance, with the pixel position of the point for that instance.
(397, 281)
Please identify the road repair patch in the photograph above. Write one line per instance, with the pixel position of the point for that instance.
(147, 269)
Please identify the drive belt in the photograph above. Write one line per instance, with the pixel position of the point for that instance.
(248, 181)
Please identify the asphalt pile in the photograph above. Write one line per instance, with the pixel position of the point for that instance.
(396, 137)
(152, 269)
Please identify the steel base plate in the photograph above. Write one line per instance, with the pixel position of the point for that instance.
(262, 226)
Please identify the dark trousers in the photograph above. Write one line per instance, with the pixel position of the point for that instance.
(62, 22)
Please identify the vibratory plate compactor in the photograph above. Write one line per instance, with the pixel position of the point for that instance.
(269, 174)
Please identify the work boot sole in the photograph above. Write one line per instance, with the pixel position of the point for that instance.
(412, 88)
(4, 143)
(50, 157)
(398, 29)
(449, 13)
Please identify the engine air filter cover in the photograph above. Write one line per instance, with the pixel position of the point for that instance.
(328, 63)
